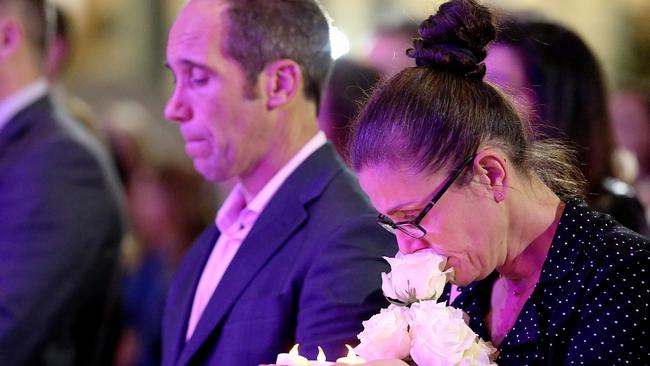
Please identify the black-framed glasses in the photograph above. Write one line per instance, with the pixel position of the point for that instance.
(412, 227)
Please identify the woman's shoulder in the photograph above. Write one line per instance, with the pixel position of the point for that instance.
(607, 290)
(616, 241)
(599, 242)
(584, 223)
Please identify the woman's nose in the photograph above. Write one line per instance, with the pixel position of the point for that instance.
(408, 244)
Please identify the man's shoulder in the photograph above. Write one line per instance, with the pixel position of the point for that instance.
(337, 184)
(58, 157)
(49, 159)
(44, 131)
(344, 193)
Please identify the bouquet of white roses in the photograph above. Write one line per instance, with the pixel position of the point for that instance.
(416, 326)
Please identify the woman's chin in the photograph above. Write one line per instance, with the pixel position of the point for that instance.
(461, 277)
(460, 282)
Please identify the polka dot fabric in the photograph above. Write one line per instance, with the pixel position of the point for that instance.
(590, 306)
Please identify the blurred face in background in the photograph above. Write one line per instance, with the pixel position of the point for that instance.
(224, 128)
(387, 53)
(630, 116)
(505, 69)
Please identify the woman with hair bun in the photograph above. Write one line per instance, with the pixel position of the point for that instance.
(451, 167)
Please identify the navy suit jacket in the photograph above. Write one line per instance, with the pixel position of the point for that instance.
(308, 272)
(60, 229)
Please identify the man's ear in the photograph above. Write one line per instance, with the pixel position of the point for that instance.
(11, 36)
(491, 169)
(283, 82)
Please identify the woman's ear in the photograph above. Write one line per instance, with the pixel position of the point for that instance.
(491, 169)
(283, 82)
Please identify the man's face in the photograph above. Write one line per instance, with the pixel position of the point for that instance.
(226, 133)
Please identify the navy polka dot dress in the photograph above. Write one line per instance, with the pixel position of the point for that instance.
(590, 306)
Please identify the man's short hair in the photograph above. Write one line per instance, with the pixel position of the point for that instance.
(34, 16)
(261, 31)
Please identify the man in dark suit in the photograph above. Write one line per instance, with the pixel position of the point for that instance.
(60, 217)
(295, 255)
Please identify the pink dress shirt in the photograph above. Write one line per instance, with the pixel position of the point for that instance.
(235, 219)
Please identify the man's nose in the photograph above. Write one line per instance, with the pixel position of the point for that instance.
(408, 244)
(177, 109)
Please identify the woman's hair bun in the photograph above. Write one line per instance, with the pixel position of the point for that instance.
(455, 39)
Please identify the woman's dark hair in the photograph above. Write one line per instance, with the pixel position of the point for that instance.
(568, 88)
(438, 113)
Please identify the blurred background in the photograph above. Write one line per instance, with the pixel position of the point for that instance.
(109, 60)
(118, 46)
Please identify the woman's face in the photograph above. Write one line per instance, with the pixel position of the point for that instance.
(465, 225)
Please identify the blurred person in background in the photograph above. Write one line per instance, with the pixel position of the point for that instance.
(349, 83)
(57, 60)
(169, 205)
(387, 45)
(630, 114)
(294, 255)
(556, 82)
(60, 211)
(59, 47)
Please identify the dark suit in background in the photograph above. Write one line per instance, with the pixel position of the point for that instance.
(308, 272)
(60, 229)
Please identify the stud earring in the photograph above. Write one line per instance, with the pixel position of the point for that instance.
(498, 196)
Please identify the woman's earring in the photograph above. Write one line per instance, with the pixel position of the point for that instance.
(498, 196)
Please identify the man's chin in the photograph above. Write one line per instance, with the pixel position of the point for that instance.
(210, 173)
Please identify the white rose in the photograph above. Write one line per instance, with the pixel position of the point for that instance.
(417, 276)
(479, 354)
(440, 335)
(385, 335)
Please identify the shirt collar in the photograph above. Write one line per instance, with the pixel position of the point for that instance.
(231, 210)
(18, 101)
(239, 199)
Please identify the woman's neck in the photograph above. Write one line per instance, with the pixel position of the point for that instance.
(536, 217)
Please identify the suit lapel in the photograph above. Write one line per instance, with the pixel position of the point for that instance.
(182, 307)
(278, 222)
(25, 119)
